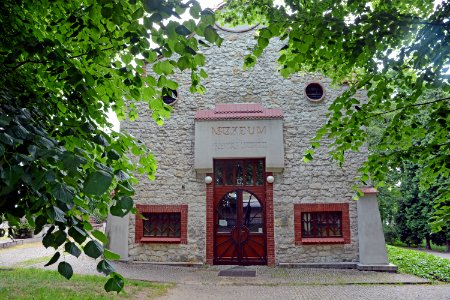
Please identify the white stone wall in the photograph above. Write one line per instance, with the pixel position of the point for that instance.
(320, 181)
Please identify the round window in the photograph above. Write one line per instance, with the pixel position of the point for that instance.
(169, 96)
(314, 91)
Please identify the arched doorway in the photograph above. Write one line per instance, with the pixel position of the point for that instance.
(239, 212)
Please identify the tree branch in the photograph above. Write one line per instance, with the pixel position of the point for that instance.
(29, 61)
(412, 105)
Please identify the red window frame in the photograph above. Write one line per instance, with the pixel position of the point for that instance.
(322, 224)
(343, 208)
(161, 209)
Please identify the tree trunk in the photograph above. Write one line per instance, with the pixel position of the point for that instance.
(448, 245)
(428, 242)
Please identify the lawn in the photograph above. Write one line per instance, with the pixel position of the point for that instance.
(29, 283)
(421, 246)
(420, 263)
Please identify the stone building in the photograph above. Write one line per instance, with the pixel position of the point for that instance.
(231, 185)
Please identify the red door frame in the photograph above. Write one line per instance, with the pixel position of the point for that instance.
(212, 191)
(258, 192)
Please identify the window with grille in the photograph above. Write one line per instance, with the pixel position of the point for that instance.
(235, 172)
(321, 224)
(162, 225)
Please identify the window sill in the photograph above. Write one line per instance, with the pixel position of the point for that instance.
(165, 240)
(315, 241)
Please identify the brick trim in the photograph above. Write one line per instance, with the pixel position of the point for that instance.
(210, 222)
(270, 223)
(369, 190)
(309, 207)
(139, 224)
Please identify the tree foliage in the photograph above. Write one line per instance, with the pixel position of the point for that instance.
(392, 50)
(63, 65)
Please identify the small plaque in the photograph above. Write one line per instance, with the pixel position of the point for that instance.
(223, 223)
(260, 230)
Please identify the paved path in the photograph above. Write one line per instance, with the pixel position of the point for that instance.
(331, 292)
(445, 255)
(270, 283)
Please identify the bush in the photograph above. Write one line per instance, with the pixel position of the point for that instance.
(420, 263)
(23, 230)
(390, 234)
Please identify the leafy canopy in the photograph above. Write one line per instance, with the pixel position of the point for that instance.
(394, 51)
(63, 65)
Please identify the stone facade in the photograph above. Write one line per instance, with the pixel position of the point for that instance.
(177, 182)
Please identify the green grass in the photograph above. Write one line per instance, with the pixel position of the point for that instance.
(39, 284)
(420, 263)
(32, 261)
(421, 246)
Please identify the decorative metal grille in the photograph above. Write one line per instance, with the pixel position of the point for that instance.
(247, 172)
(162, 225)
(321, 224)
(314, 91)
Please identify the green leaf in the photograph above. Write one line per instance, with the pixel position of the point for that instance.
(113, 154)
(79, 235)
(73, 249)
(208, 17)
(97, 183)
(139, 13)
(65, 269)
(121, 175)
(20, 132)
(111, 255)
(11, 175)
(152, 5)
(4, 120)
(182, 30)
(308, 157)
(195, 10)
(106, 12)
(183, 63)
(100, 236)
(48, 240)
(40, 221)
(93, 249)
(60, 238)
(6, 139)
(56, 214)
(63, 193)
(101, 140)
(122, 206)
(54, 259)
(163, 67)
(105, 267)
(115, 283)
(211, 34)
(72, 161)
(249, 61)
(203, 74)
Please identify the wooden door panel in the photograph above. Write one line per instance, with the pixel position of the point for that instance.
(254, 247)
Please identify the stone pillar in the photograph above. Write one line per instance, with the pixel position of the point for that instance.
(117, 233)
(372, 246)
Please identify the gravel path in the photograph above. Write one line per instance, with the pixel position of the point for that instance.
(270, 283)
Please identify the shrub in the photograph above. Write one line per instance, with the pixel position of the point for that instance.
(390, 233)
(419, 263)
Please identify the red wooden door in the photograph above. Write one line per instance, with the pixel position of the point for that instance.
(239, 216)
